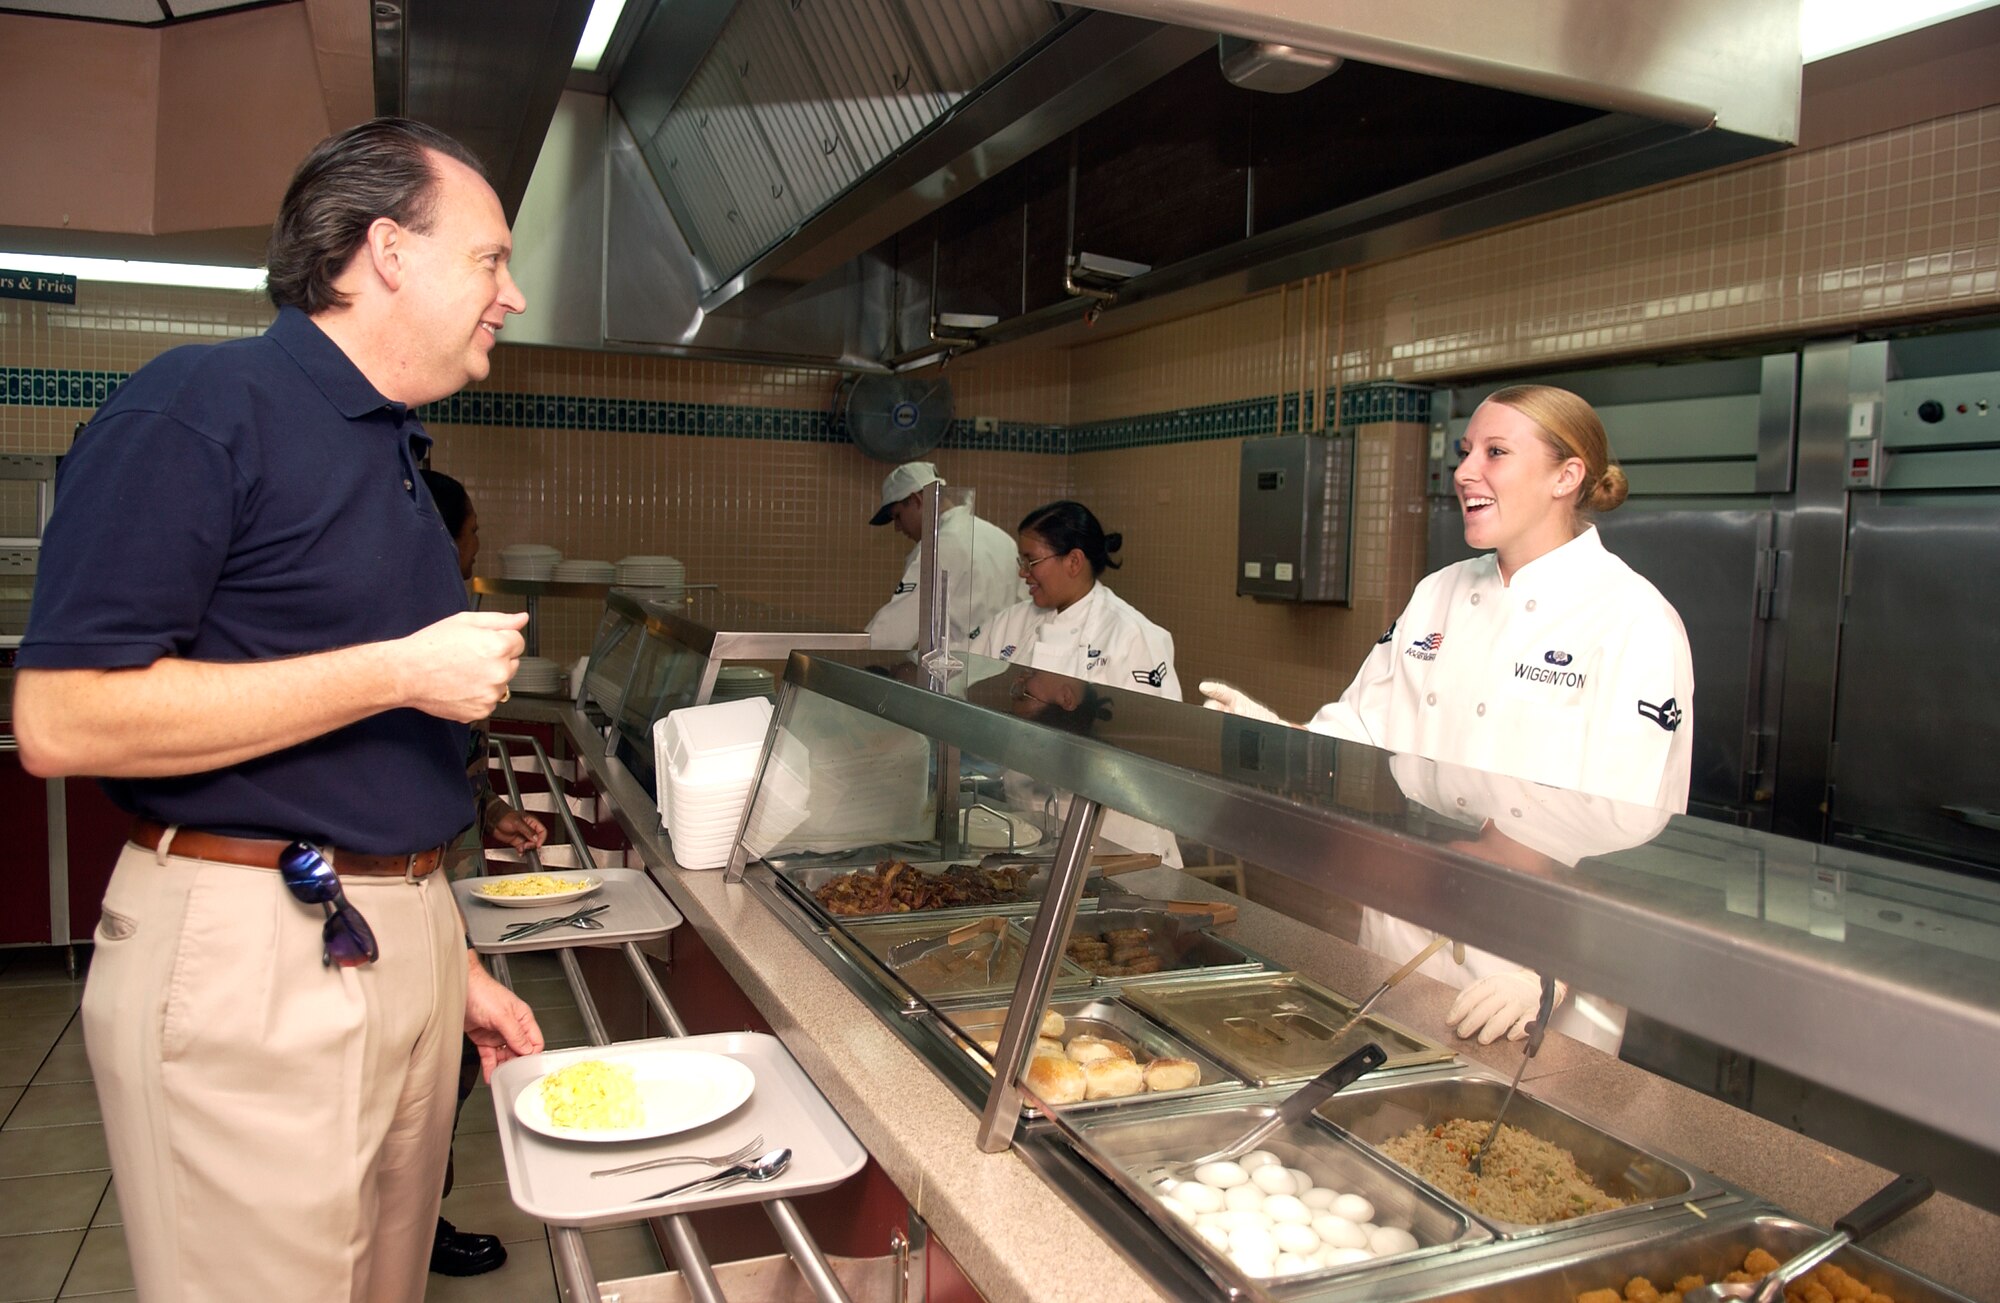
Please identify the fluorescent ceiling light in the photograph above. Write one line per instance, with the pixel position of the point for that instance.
(1829, 27)
(125, 272)
(596, 34)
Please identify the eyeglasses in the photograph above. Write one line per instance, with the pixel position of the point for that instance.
(1026, 565)
(349, 941)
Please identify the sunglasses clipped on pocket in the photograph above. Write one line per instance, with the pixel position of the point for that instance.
(349, 941)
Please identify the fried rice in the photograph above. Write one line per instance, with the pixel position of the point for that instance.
(1524, 1179)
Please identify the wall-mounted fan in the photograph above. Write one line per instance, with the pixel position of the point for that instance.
(894, 418)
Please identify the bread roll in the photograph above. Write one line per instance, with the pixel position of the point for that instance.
(1172, 1074)
(1046, 1048)
(1052, 1025)
(1054, 1081)
(1111, 1078)
(1092, 1049)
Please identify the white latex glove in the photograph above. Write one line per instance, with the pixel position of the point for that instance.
(1231, 701)
(1502, 1004)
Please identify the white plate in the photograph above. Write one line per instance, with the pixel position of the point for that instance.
(678, 1089)
(535, 902)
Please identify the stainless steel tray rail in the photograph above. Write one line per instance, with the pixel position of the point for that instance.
(571, 1255)
(1660, 930)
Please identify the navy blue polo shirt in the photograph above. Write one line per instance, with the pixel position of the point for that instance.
(246, 501)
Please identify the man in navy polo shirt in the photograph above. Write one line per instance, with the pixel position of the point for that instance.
(249, 621)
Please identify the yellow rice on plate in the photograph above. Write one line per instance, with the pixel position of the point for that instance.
(532, 884)
(593, 1096)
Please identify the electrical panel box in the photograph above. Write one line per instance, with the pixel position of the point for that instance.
(1295, 512)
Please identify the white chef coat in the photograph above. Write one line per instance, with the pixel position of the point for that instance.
(1576, 675)
(1565, 826)
(983, 579)
(1101, 638)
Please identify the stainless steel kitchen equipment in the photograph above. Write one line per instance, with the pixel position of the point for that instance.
(739, 194)
(1277, 1027)
(1925, 1006)
(1161, 760)
(1295, 513)
(1685, 1245)
(1377, 1112)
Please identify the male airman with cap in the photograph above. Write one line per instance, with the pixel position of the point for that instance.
(977, 555)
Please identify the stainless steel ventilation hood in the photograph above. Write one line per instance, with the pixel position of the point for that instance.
(835, 179)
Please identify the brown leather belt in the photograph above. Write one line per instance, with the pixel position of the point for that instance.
(259, 853)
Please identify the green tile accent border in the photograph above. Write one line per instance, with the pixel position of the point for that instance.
(43, 387)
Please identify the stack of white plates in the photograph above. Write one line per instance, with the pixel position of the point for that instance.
(538, 675)
(735, 682)
(652, 572)
(584, 572)
(528, 561)
(706, 759)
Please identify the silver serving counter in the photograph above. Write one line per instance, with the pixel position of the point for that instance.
(1038, 1222)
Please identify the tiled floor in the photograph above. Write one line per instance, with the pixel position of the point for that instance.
(60, 1232)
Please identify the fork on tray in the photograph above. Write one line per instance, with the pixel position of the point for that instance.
(737, 1155)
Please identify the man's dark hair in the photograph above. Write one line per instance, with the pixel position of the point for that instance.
(452, 504)
(378, 169)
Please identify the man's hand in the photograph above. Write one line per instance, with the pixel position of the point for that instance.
(499, 1022)
(458, 668)
(524, 832)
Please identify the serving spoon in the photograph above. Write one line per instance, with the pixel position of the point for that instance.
(1877, 1211)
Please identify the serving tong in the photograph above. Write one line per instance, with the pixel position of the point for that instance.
(904, 953)
(1536, 1030)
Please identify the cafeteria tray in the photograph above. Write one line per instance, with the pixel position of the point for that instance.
(962, 972)
(1127, 1146)
(638, 910)
(1183, 951)
(1276, 1027)
(1374, 1113)
(1104, 1018)
(1700, 1248)
(551, 1180)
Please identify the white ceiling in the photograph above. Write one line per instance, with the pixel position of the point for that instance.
(125, 11)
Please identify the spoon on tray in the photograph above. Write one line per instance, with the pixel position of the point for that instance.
(756, 1169)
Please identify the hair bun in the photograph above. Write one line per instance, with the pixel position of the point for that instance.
(1611, 489)
(1112, 542)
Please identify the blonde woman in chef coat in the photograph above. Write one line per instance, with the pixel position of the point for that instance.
(1547, 659)
(1073, 624)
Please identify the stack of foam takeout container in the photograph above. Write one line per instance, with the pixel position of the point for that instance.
(705, 758)
(529, 561)
(661, 573)
(583, 572)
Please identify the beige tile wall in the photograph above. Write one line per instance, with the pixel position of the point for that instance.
(1176, 506)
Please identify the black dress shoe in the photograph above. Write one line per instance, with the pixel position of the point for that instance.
(464, 1253)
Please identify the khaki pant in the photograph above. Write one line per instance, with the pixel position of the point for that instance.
(277, 1128)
